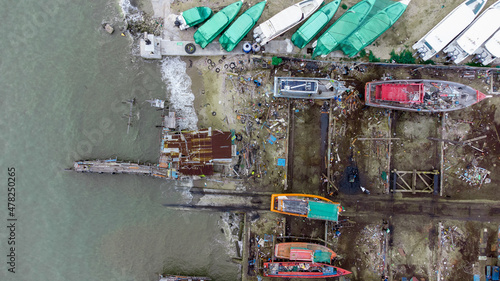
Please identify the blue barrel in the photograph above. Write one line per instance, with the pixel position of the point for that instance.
(255, 47)
(247, 48)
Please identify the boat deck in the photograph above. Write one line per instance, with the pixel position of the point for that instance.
(307, 88)
(294, 206)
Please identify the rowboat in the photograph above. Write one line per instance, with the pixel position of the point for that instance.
(216, 24)
(373, 27)
(241, 26)
(305, 205)
(285, 20)
(421, 95)
(448, 28)
(315, 24)
(300, 251)
(342, 28)
(302, 270)
(192, 17)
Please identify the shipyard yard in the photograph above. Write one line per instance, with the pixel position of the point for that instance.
(419, 190)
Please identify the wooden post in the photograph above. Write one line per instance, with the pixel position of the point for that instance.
(414, 182)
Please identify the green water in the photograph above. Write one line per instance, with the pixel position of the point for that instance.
(62, 84)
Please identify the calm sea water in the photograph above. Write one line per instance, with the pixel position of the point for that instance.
(62, 84)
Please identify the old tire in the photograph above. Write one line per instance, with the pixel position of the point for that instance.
(190, 48)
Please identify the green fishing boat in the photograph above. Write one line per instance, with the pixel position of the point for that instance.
(315, 24)
(216, 24)
(241, 26)
(373, 27)
(193, 17)
(342, 28)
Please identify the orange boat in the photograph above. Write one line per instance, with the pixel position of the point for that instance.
(299, 251)
(305, 205)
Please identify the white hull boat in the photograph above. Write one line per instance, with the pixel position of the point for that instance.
(475, 35)
(448, 28)
(490, 51)
(285, 20)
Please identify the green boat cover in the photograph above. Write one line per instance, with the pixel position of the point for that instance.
(315, 24)
(241, 26)
(320, 256)
(196, 15)
(323, 211)
(374, 26)
(342, 28)
(216, 24)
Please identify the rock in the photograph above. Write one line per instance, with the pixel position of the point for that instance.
(109, 28)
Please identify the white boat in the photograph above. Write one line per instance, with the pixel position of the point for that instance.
(475, 35)
(448, 28)
(489, 51)
(285, 20)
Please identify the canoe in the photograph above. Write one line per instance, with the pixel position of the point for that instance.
(193, 17)
(421, 95)
(305, 205)
(302, 270)
(475, 35)
(373, 27)
(301, 251)
(448, 28)
(342, 28)
(241, 26)
(216, 24)
(285, 20)
(315, 24)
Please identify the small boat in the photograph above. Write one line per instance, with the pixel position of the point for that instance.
(300, 251)
(216, 24)
(421, 95)
(302, 270)
(193, 17)
(373, 27)
(490, 51)
(448, 28)
(475, 35)
(342, 28)
(285, 20)
(241, 26)
(308, 88)
(305, 205)
(182, 278)
(315, 24)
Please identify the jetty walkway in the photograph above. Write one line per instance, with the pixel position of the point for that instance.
(116, 167)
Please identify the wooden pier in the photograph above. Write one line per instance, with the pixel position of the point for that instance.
(116, 167)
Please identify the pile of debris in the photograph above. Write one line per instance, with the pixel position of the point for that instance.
(474, 175)
(372, 244)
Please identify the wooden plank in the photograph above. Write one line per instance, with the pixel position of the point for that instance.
(414, 181)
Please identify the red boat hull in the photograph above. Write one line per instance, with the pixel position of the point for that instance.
(302, 270)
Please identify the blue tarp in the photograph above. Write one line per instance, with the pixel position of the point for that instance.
(281, 162)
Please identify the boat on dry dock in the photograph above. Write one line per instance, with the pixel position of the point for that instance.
(192, 17)
(300, 251)
(306, 205)
(490, 51)
(476, 34)
(302, 270)
(285, 20)
(307, 88)
(421, 95)
(448, 28)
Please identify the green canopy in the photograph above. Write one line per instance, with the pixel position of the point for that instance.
(196, 15)
(315, 24)
(241, 26)
(320, 256)
(342, 28)
(373, 27)
(323, 211)
(216, 24)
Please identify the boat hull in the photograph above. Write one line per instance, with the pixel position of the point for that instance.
(421, 95)
(193, 17)
(286, 251)
(216, 24)
(241, 26)
(302, 270)
(312, 88)
(315, 24)
(285, 20)
(306, 205)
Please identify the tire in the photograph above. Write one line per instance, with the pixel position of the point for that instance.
(190, 48)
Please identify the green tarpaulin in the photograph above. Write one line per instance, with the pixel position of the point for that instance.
(323, 211)
(320, 256)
